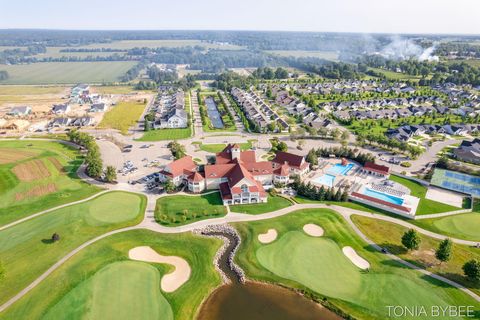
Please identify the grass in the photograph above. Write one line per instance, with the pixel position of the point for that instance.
(179, 209)
(166, 134)
(19, 199)
(86, 265)
(218, 147)
(66, 72)
(113, 89)
(26, 249)
(125, 289)
(391, 75)
(318, 267)
(30, 90)
(272, 204)
(389, 235)
(462, 226)
(425, 206)
(123, 116)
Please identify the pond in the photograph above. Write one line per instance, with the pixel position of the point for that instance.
(256, 301)
(213, 114)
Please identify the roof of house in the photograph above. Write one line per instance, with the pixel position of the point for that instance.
(291, 159)
(376, 168)
(196, 177)
(181, 166)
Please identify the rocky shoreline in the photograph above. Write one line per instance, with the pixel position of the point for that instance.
(227, 234)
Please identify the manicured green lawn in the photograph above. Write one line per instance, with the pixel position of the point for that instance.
(26, 249)
(426, 206)
(19, 199)
(122, 290)
(272, 204)
(318, 267)
(218, 147)
(463, 226)
(122, 116)
(389, 235)
(179, 209)
(103, 264)
(166, 134)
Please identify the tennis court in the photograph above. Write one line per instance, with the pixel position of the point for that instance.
(457, 182)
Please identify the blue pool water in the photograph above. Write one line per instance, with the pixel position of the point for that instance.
(339, 169)
(326, 179)
(383, 196)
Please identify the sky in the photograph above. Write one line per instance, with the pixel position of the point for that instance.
(366, 16)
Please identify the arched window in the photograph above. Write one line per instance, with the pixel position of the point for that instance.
(244, 188)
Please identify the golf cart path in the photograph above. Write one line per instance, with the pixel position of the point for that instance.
(149, 223)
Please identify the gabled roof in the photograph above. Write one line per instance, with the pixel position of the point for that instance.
(178, 167)
(376, 168)
(291, 159)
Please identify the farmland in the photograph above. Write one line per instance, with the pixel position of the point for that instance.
(123, 116)
(66, 72)
(327, 55)
(37, 175)
(129, 44)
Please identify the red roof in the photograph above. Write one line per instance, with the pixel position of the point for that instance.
(376, 168)
(196, 177)
(259, 168)
(388, 204)
(291, 159)
(180, 166)
(283, 170)
(217, 171)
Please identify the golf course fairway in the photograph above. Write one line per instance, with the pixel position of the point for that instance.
(121, 290)
(463, 226)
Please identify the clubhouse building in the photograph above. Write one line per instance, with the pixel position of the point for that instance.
(237, 174)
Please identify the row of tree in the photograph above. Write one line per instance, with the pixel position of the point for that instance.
(310, 191)
(411, 241)
(344, 152)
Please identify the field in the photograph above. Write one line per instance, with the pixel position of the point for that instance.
(391, 75)
(112, 89)
(37, 175)
(389, 235)
(462, 226)
(166, 134)
(66, 72)
(178, 210)
(130, 44)
(327, 55)
(105, 261)
(272, 204)
(26, 249)
(318, 267)
(425, 206)
(40, 98)
(122, 116)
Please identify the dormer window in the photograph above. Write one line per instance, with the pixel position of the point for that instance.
(244, 188)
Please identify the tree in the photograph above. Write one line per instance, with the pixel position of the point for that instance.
(111, 174)
(55, 237)
(472, 269)
(2, 271)
(312, 157)
(411, 240)
(169, 186)
(345, 135)
(444, 251)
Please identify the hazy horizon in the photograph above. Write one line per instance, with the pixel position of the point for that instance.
(343, 16)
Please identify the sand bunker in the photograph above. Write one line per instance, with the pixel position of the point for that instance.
(313, 230)
(351, 254)
(172, 281)
(268, 237)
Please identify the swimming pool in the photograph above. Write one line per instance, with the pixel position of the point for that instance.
(340, 169)
(383, 196)
(326, 179)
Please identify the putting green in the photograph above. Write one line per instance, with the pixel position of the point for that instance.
(114, 208)
(318, 263)
(465, 226)
(121, 290)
